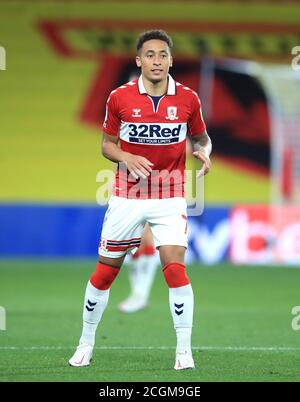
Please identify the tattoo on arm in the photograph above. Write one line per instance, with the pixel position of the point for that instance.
(202, 143)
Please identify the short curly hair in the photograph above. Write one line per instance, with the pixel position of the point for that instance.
(153, 34)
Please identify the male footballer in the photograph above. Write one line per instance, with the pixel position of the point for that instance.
(146, 124)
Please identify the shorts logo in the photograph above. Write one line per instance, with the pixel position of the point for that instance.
(172, 113)
(136, 113)
(103, 245)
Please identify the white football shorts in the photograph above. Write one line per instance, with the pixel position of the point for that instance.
(125, 219)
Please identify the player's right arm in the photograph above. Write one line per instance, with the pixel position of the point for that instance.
(137, 165)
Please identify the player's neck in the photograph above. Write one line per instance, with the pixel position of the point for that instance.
(155, 88)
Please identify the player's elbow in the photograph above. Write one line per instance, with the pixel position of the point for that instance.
(105, 149)
(108, 151)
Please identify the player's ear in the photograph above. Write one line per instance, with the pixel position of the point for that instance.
(138, 61)
(171, 61)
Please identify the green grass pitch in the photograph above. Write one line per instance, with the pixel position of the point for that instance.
(242, 326)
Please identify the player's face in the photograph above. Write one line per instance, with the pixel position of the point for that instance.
(155, 60)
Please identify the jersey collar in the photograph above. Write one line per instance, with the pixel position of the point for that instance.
(171, 86)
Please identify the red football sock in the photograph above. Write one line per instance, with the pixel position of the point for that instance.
(175, 275)
(104, 276)
(144, 250)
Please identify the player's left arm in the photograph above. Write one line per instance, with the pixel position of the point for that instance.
(202, 148)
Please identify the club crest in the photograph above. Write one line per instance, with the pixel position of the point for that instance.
(172, 113)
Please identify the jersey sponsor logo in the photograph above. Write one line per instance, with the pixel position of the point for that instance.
(172, 113)
(154, 133)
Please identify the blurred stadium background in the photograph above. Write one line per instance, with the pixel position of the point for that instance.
(62, 60)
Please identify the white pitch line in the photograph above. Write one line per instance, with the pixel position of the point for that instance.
(220, 348)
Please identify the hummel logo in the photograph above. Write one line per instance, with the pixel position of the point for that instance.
(136, 113)
(178, 306)
(92, 306)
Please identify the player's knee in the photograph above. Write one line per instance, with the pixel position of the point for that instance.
(175, 275)
(103, 276)
(169, 254)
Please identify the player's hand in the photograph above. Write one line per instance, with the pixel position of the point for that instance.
(202, 156)
(138, 166)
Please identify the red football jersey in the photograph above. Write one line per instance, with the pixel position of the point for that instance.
(157, 133)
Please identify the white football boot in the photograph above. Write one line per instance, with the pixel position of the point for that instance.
(133, 304)
(184, 361)
(82, 356)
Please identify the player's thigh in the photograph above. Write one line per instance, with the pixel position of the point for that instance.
(113, 262)
(122, 230)
(147, 238)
